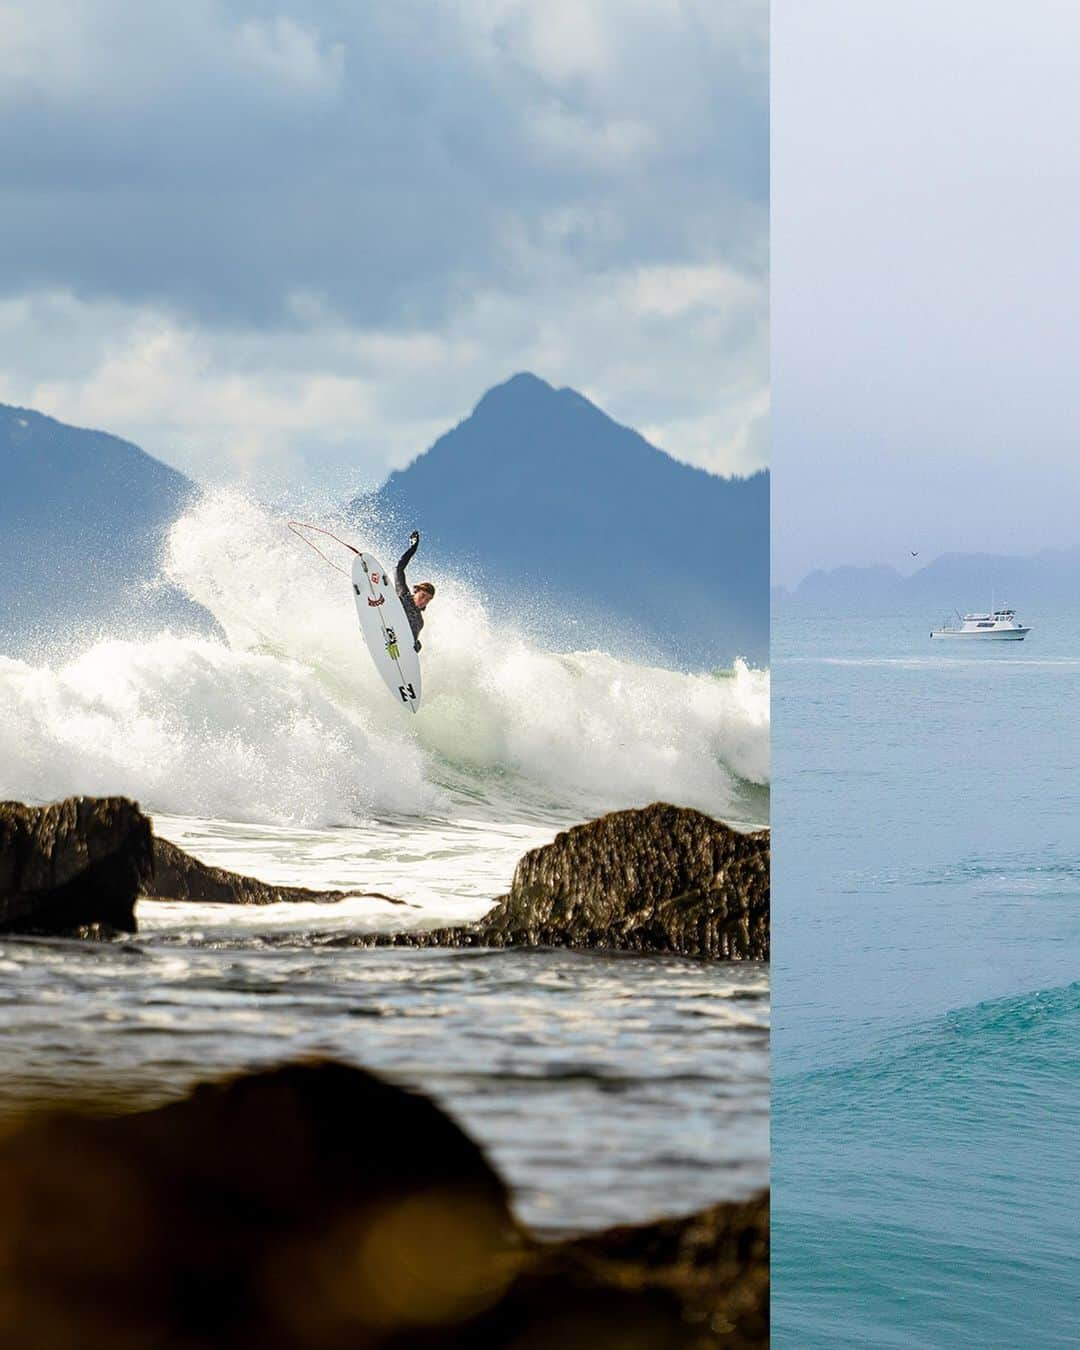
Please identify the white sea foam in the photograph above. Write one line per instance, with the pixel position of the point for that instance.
(285, 720)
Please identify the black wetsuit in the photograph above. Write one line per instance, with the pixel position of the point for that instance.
(415, 618)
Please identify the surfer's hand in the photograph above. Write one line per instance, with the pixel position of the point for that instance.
(416, 645)
(414, 538)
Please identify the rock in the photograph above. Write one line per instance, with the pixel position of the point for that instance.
(712, 1268)
(311, 1205)
(664, 878)
(179, 876)
(73, 868)
(660, 879)
(316, 1207)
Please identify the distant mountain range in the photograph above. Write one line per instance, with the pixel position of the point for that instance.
(574, 526)
(579, 525)
(83, 518)
(962, 581)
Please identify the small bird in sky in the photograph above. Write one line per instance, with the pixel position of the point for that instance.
(914, 553)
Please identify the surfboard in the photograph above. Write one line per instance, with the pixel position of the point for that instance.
(385, 629)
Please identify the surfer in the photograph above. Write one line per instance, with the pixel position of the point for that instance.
(415, 599)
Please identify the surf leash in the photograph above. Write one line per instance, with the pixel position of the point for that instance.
(297, 526)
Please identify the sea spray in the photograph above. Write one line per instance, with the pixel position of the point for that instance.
(283, 721)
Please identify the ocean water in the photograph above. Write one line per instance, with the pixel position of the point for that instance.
(607, 1088)
(926, 912)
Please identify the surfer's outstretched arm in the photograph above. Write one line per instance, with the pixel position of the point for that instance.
(400, 584)
(415, 618)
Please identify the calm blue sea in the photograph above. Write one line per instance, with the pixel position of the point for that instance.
(926, 967)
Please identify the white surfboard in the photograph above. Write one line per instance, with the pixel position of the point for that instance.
(386, 630)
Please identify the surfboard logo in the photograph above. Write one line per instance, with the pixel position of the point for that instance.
(375, 578)
(407, 692)
(391, 645)
(381, 600)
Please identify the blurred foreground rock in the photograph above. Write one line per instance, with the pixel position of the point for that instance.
(315, 1206)
(661, 879)
(73, 868)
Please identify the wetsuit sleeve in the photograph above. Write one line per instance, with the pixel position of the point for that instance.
(400, 584)
(408, 604)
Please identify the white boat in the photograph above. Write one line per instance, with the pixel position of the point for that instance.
(999, 624)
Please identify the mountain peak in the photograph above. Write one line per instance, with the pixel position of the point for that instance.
(558, 507)
(525, 390)
(520, 389)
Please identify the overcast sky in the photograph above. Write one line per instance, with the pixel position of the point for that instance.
(926, 251)
(299, 240)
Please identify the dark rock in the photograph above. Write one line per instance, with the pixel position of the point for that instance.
(316, 1206)
(661, 879)
(664, 878)
(73, 868)
(712, 1268)
(179, 876)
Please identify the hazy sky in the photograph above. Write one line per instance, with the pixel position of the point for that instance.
(301, 239)
(926, 252)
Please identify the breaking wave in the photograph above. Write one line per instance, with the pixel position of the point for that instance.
(283, 719)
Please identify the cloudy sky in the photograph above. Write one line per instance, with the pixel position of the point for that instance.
(296, 241)
(925, 265)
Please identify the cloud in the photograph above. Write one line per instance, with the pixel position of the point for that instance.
(172, 161)
(563, 41)
(291, 54)
(88, 56)
(324, 399)
(678, 290)
(733, 441)
(307, 237)
(604, 146)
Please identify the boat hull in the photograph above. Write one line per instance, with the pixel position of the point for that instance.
(1005, 635)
